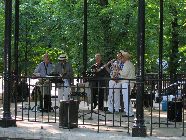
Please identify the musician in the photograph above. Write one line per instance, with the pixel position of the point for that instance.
(100, 72)
(43, 70)
(64, 69)
(115, 85)
(127, 72)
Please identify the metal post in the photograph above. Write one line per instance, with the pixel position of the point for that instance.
(161, 40)
(160, 53)
(85, 38)
(139, 128)
(7, 120)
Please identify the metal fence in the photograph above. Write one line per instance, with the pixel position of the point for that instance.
(161, 109)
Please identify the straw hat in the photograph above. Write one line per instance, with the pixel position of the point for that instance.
(125, 54)
(62, 57)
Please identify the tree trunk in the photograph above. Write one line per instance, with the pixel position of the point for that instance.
(174, 47)
(16, 37)
(26, 50)
(85, 37)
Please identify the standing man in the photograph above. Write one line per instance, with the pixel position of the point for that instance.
(43, 70)
(128, 73)
(100, 72)
(64, 69)
(115, 85)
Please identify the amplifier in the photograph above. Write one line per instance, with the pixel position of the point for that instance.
(68, 114)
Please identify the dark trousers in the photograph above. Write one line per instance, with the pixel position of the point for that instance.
(97, 96)
(45, 96)
(47, 102)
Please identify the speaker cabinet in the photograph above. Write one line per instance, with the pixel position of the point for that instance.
(174, 111)
(68, 114)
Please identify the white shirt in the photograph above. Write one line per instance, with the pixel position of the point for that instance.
(128, 71)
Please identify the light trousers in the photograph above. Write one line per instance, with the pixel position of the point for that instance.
(114, 96)
(64, 91)
(126, 99)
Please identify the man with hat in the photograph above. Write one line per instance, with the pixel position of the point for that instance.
(128, 73)
(64, 69)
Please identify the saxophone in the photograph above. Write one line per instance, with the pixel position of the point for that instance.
(115, 68)
(64, 71)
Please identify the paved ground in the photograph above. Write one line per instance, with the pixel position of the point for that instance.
(51, 131)
(32, 130)
(42, 130)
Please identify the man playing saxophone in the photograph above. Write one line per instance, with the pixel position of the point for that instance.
(114, 85)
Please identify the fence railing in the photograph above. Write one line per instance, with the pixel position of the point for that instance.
(36, 99)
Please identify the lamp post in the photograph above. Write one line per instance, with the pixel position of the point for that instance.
(7, 120)
(139, 128)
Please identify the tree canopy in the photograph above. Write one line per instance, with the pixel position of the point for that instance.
(56, 26)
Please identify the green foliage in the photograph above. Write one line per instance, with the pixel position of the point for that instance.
(56, 26)
(2, 20)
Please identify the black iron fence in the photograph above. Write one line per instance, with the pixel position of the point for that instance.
(36, 99)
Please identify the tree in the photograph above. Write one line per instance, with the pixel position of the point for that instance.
(57, 26)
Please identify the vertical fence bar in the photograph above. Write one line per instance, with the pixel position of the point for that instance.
(84, 104)
(113, 105)
(98, 102)
(183, 100)
(55, 105)
(151, 105)
(107, 88)
(128, 107)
